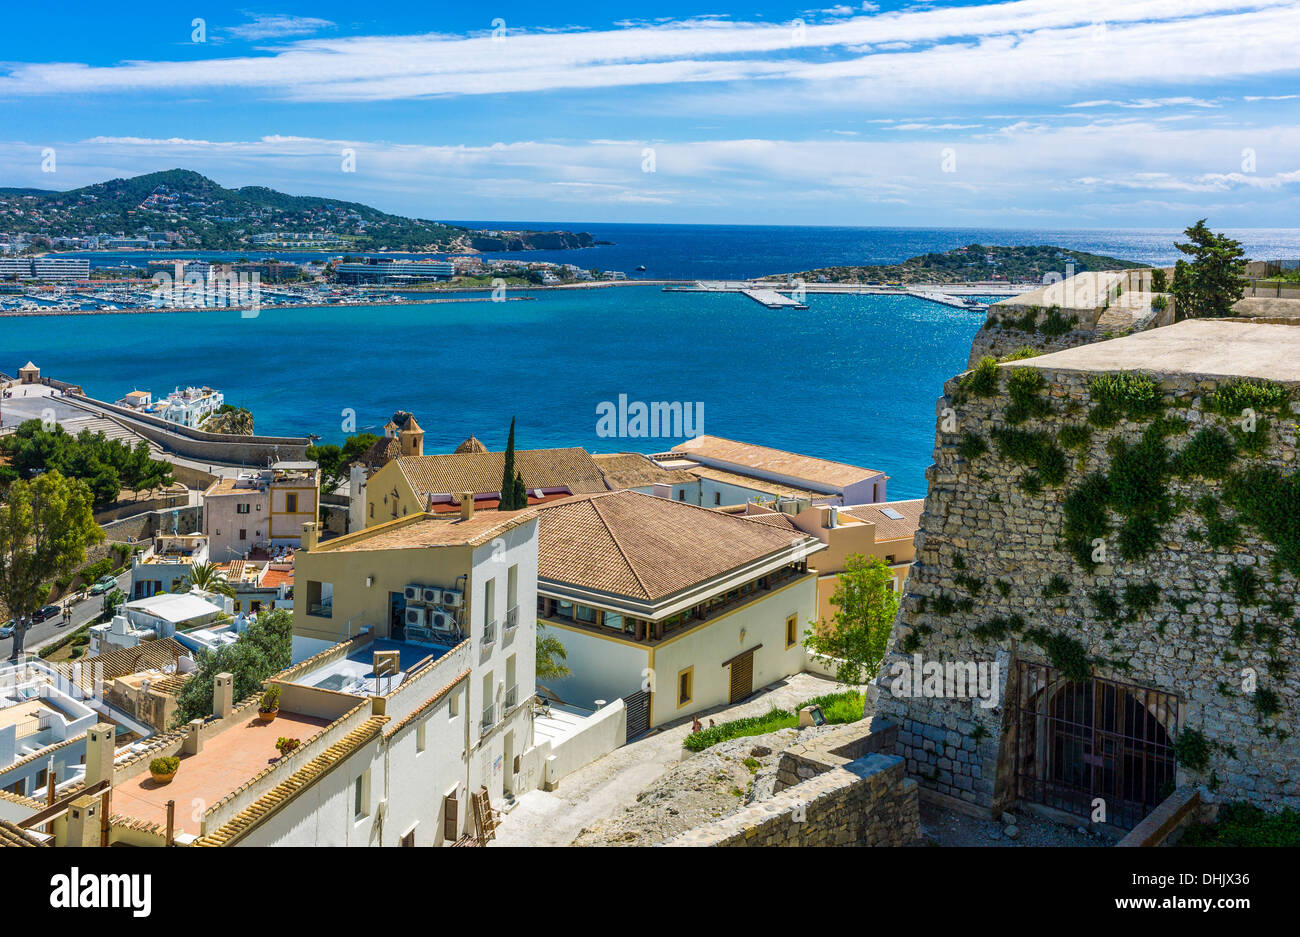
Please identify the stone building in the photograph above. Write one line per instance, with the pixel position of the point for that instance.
(1108, 556)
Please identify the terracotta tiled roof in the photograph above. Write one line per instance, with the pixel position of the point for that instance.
(13, 835)
(888, 528)
(777, 461)
(771, 519)
(429, 530)
(277, 576)
(479, 472)
(472, 445)
(634, 470)
(644, 547)
(269, 803)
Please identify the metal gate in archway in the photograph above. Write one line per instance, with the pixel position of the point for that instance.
(1080, 741)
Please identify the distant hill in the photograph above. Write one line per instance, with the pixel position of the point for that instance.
(211, 217)
(972, 262)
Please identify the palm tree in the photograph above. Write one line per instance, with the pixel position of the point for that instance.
(207, 577)
(550, 655)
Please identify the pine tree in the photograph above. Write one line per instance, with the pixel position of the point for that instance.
(1209, 284)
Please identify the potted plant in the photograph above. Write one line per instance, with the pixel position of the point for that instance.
(286, 745)
(270, 705)
(164, 769)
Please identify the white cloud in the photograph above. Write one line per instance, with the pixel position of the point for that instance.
(277, 26)
(1015, 49)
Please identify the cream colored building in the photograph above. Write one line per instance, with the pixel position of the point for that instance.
(261, 510)
(884, 531)
(672, 607)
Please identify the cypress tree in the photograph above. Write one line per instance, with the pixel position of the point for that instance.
(508, 490)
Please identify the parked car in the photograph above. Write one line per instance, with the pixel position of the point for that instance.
(48, 611)
(103, 584)
(7, 629)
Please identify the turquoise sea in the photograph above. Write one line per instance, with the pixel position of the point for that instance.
(853, 378)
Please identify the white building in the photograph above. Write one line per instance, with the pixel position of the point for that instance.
(668, 606)
(188, 407)
(164, 615)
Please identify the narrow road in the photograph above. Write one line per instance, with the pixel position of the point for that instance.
(51, 630)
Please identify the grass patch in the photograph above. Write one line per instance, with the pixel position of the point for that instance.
(838, 708)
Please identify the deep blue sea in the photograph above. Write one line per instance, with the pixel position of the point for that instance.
(853, 378)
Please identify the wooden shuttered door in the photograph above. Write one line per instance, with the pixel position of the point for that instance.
(742, 676)
(638, 713)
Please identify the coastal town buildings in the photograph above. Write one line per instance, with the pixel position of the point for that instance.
(260, 512)
(165, 564)
(669, 606)
(883, 531)
(163, 615)
(731, 472)
(188, 407)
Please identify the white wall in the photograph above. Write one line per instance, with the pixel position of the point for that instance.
(597, 736)
(601, 668)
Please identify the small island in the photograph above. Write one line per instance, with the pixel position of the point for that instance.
(972, 263)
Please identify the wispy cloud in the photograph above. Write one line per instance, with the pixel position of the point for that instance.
(1015, 49)
(277, 26)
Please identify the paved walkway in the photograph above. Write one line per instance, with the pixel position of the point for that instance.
(608, 784)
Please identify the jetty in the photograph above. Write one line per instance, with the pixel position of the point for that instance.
(773, 300)
(772, 295)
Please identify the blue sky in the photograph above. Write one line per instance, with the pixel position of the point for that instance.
(1030, 113)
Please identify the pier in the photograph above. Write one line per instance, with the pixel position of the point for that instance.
(771, 295)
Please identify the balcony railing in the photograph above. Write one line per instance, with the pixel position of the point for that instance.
(489, 718)
(489, 633)
(512, 697)
(512, 618)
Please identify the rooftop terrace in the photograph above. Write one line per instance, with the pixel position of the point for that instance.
(228, 760)
(1204, 347)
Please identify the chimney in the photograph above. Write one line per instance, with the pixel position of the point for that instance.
(100, 748)
(309, 535)
(83, 820)
(466, 505)
(223, 695)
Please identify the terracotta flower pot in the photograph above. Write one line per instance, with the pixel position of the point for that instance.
(267, 717)
(162, 778)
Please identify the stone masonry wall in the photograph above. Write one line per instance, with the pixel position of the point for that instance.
(998, 577)
(867, 802)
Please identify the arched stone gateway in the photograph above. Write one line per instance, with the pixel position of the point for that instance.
(1094, 749)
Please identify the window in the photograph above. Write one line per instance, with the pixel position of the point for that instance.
(563, 609)
(241, 508)
(361, 796)
(889, 559)
(243, 533)
(685, 686)
(613, 620)
(237, 603)
(512, 588)
(717, 497)
(320, 598)
(681, 495)
(791, 631)
(291, 503)
(421, 735)
(372, 509)
(453, 705)
(584, 613)
(489, 603)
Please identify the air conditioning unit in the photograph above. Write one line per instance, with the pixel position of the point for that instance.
(431, 596)
(441, 621)
(412, 593)
(416, 617)
(452, 598)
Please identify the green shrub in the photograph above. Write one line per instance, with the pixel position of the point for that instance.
(1243, 824)
(1209, 454)
(1025, 387)
(1192, 750)
(972, 446)
(1126, 394)
(1075, 437)
(1054, 325)
(1056, 587)
(1232, 399)
(837, 708)
(164, 765)
(982, 380)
